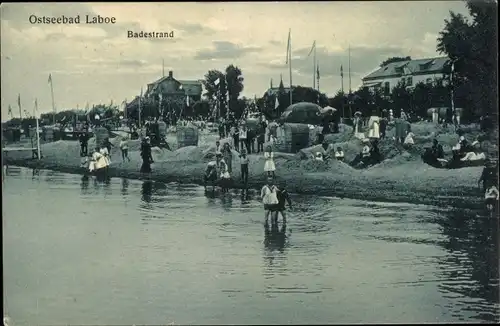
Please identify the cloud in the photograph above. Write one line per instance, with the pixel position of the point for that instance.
(225, 50)
(193, 28)
(97, 63)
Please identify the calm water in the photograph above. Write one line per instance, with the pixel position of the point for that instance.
(126, 252)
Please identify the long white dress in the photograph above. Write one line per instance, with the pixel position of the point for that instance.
(374, 123)
(104, 152)
(269, 165)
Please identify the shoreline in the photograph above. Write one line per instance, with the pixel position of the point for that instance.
(410, 182)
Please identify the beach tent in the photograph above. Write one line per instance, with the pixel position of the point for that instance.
(303, 112)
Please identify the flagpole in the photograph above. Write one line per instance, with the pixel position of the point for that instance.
(140, 100)
(53, 103)
(317, 66)
(37, 134)
(290, 62)
(452, 95)
(350, 90)
(314, 67)
(342, 89)
(163, 67)
(19, 105)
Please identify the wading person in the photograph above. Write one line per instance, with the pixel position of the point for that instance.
(244, 167)
(124, 149)
(269, 199)
(269, 166)
(283, 199)
(146, 156)
(98, 164)
(210, 175)
(225, 178)
(227, 154)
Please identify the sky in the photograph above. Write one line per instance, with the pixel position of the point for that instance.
(98, 63)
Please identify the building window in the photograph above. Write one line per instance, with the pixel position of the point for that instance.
(387, 88)
(409, 81)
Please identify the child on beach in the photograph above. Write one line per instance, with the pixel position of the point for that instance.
(491, 197)
(269, 166)
(124, 149)
(269, 198)
(225, 178)
(339, 154)
(244, 167)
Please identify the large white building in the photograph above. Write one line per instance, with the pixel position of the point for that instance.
(410, 72)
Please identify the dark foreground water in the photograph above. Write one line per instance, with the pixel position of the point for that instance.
(127, 252)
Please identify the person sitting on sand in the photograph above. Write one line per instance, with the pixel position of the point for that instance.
(375, 156)
(409, 142)
(364, 156)
(124, 148)
(210, 174)
(244, 167)
(225, 178)
(434, 154)
(339, 154)
(283, 199)
(491, 197)
(269, 166)
(475, 155)
(269, 198)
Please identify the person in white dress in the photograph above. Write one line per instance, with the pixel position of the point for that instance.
(269, 197)
(269, 166)
(374, 123)
(225, 178)
(409, 139)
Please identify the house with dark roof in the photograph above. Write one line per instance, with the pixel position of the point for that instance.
(170, 88)
(409, 72)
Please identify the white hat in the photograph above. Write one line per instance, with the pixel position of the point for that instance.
(462, 138)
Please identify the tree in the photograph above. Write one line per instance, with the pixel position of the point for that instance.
(215, 94)
(234, 81)
(472, 46)
(394, 59)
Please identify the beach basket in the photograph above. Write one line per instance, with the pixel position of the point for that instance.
(187, 136)
(48, 135)
(295, 136)
(101, 134)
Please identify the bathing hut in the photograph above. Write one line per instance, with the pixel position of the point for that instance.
(295, 137)
(187, 136)
(101, 134)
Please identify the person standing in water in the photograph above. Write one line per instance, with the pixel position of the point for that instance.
(124, 148)
(269, 166)
(146, 156)
(244, 167)
(269, 198)
(227, 154)
(283, 199)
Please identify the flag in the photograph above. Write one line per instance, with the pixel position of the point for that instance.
(341, 71)
(10, 110)
(217, 81)
(317, 71)
(19, 101)
(187, 100)
(50, 79)
(312, 48)
(288, 49)
(271, 83)
(276, 104)
(452, 71)
(36, 106)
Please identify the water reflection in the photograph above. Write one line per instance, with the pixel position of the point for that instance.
(470, 268)
(124, 187)
(84, 185)
(275, 242)
(147, 191)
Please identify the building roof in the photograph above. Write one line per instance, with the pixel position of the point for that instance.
(275, 90)
(409, 67)
(190, 87)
